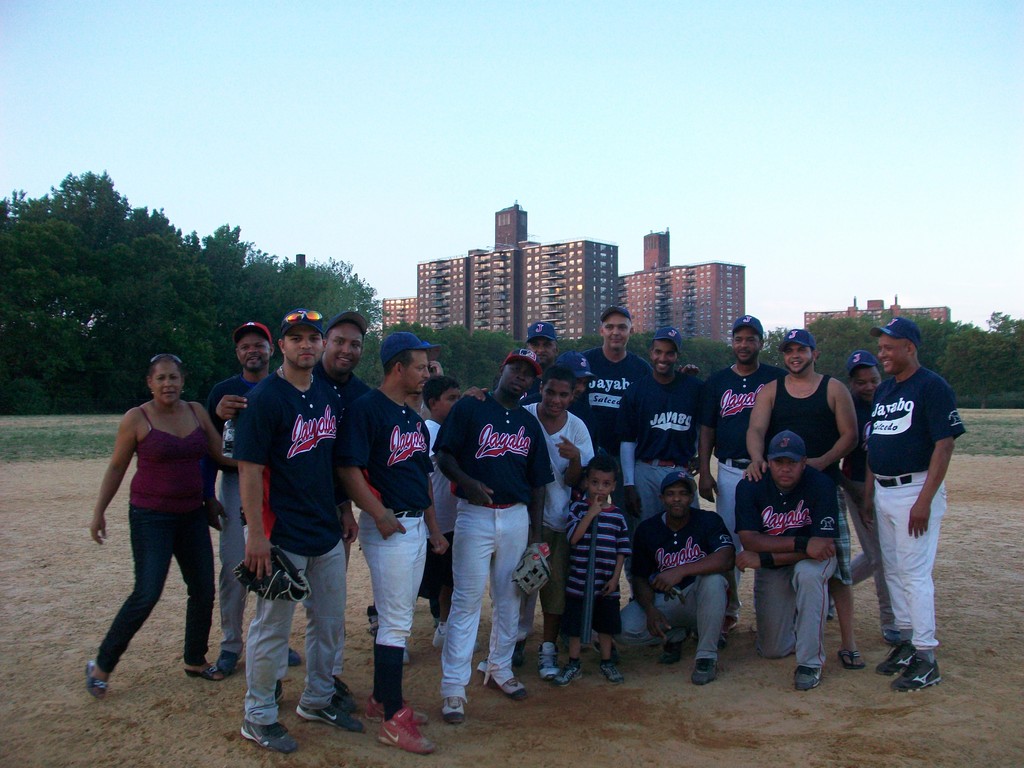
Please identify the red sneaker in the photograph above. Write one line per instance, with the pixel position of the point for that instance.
(375, 711)
(401, 731)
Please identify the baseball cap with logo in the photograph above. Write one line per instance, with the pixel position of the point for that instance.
(787, 445)
(616, 311)
(679, 476)
(668, 333)
(749, 321)
(350, 316)
(541, 330)
(860, 358)
(799, 336)
(307, 317)
(900, 328)
(252, 327)
(399, 342)
(577, 363)
(523, 354)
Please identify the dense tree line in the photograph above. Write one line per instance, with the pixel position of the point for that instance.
(92, 288)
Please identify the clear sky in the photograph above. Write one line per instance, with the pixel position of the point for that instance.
(837, 149)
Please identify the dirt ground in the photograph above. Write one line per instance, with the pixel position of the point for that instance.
(63, 591)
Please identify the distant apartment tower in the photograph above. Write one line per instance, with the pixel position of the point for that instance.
(876, 310)
(698, 299)
(400, 310)
(569, 284)
(518, 281)
(441, 292)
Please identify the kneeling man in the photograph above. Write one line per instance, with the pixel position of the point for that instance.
(680, 561)
(786, 522)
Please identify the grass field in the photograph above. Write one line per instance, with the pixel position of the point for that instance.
(991, 432)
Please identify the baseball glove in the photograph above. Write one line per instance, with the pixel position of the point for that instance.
(533, 570)
(284, 582)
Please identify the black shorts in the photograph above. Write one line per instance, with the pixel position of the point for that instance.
(437, 571)
(606, 619)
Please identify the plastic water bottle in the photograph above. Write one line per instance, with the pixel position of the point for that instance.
(228, 448)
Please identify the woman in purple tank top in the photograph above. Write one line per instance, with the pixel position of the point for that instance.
(168, 517)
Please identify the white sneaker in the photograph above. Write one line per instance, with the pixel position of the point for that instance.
(453, 710)
(439, 634)
(547, 661)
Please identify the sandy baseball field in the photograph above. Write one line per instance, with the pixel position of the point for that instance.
(63, 591)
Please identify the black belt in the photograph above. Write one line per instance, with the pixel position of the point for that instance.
(892, 482)
(737, 463)
(409, 513)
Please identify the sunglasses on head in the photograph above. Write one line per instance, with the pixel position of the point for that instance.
(303, 314)
(165, 356)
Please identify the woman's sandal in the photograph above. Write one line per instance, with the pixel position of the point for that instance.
(851, 659)
(211, 673)
(96, 688)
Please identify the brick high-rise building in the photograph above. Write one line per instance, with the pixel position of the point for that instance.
(442, 292)
(400, 310)
(877, 310)
(568, 284)
(698, 299)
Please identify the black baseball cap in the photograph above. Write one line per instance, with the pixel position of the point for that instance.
(679, 477)
(308, 317)
(349, 316)
(617, 310)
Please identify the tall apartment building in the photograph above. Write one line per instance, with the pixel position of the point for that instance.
(877, 310)
(518, 281)
(400, 310)
(698, 299)
(442, 292)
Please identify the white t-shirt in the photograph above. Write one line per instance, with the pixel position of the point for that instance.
(444, 499)
(558, 495)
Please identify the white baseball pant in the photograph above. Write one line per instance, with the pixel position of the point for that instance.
(396, 569)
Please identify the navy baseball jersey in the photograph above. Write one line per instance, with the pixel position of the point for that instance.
(502, 448)
(347, 394)
(855, 463)
(293, 435)
(657, 548)
(726, 402)
(662, 419)
(236, 385)
(391, 443)
(610, 382)
(612, 541)
(810, 509)
(907, 419)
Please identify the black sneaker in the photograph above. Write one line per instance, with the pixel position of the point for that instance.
(610, 671)
(343, 698)
(273, 737)
(569, 672)
(805, 678)
(672, 653)
(920, 673)
(519, 653)
(332, 716)
(898, 660)
(704, 671)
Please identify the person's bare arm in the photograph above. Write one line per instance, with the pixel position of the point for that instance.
(257, 545)
(760, 418)
(937, 467)
(841, 403)
(124, 448)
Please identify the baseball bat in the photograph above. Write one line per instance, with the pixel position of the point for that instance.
(586, 628)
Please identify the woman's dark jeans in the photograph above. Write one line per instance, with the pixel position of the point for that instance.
(156, 536)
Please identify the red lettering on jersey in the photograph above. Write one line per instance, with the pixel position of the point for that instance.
(690, 553)
(736, 402)
(778, 522)
(405, 445)
(494, 444)
(306, 434)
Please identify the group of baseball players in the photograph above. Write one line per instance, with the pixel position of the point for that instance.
(589, 459)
